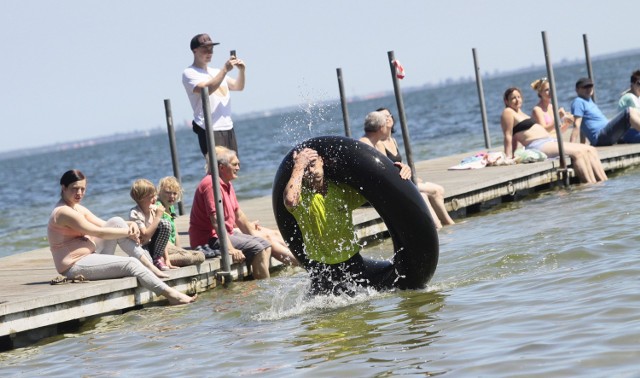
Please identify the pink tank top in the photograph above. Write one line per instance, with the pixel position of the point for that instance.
(67, 245)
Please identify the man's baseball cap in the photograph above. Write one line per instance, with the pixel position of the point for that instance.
(202, 40)
(584, 82)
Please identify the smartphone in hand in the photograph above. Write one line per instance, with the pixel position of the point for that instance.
(232, 53)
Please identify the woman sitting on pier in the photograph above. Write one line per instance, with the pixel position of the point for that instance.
(378, 127)
(517, 127)
(542, 113)
(84, 245)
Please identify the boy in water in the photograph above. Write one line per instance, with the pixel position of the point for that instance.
(323, 211)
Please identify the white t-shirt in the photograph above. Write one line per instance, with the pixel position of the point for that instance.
(220, 100)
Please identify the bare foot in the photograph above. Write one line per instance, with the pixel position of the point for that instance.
(177, 298)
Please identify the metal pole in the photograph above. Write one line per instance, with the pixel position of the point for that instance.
(343, 101)
(213, 169)
(173, 148)
(403, 118)
(556, 116)
(483, 107)
(589, 69)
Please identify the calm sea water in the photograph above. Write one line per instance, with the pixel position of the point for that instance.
(545, 286)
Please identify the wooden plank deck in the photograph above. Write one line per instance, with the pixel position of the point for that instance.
(31, 308)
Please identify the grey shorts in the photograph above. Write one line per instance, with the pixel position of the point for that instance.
(249, 245)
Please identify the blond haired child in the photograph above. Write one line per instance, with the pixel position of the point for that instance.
(155, 231)
(169, 193)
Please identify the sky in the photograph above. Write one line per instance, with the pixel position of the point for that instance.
(78, 69)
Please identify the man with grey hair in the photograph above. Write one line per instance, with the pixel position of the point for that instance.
(203, 225)
(374, 121)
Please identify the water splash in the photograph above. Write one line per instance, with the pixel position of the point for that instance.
(314, 117)
(293, 300)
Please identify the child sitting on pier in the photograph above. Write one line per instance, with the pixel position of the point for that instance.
(154, 230)
(169, 193)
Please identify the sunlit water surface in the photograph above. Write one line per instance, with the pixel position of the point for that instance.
(524, 290)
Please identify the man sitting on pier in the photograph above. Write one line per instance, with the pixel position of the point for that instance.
(592, 123)
(203, 224)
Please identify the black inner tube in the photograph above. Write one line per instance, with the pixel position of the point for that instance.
(402, 208)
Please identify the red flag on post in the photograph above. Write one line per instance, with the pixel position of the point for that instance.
(399, 69)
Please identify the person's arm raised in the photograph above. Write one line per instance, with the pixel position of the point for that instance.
(214, 83)
(293, 189)
(237, 84)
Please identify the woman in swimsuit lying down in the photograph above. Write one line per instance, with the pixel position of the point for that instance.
(517, 127)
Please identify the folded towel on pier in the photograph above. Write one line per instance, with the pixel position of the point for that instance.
(483, 159)
(476, 161)
(498, 158)
(529, 156)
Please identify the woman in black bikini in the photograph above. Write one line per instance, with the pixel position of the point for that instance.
(519, 128)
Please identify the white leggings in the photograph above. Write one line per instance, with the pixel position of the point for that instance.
(103, 264)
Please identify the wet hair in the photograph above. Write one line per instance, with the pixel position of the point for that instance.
(508, 93)
(374, 121)
(171, 184)
(635, 76)
(142, 188)
(71, 176)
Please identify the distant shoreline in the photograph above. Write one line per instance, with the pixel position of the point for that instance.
(88, 142)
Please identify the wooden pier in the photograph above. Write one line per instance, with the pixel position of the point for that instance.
(32, 309)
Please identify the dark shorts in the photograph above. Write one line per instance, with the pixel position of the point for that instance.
(345, 277)
(226, 138)
(615, 129)
(249, 245)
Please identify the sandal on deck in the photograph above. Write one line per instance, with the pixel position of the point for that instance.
(79, 279)
(58, 280)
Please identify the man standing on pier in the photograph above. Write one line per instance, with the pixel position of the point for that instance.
(199, 75)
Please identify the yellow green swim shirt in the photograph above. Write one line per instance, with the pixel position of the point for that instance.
(326, 223)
